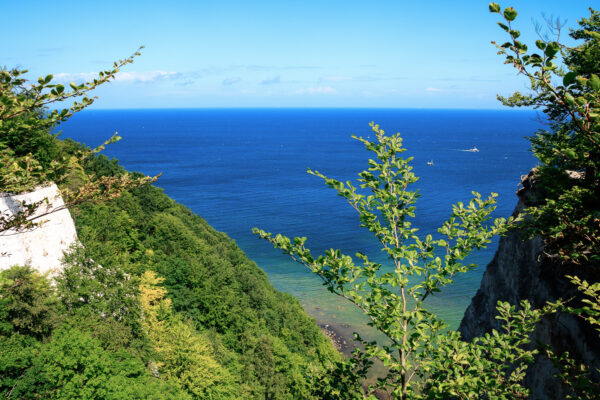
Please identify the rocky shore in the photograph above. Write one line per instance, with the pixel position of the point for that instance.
(345, 345)
(341, 343)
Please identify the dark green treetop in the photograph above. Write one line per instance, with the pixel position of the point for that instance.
(565, 85)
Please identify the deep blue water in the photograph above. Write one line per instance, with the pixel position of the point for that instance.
(244, 168)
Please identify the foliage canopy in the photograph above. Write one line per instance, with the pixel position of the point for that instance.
(565, 85)
(221, 331)
(394, 296)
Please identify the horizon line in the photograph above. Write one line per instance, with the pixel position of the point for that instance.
(310, 108)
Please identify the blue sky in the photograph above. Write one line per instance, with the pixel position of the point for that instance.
(327, 53)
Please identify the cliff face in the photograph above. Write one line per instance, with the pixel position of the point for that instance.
(520, 270)
(42, 246)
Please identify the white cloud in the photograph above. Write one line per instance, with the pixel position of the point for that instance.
(317, 90)
(336, 78)
(149, 76)
(231, 81)
(76, 77)
(433, 89)
(359, 78)
(138, 77)
(273, 81)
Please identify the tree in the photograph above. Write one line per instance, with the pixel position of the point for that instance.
(28, 303)
(578, 377)
(565, 209)
(30, 155)
(183, 357)
(393, 296)
(566, 212)
(73, 365)
(102, 294)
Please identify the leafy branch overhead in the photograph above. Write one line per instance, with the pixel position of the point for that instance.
(393, 295)
(17, 97)
(31, 156)
(565, 85)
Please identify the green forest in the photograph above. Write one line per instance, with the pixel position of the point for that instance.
(219, 329)
(153, 303)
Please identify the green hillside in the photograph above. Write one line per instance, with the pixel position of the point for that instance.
(154, 304)
(263, 336)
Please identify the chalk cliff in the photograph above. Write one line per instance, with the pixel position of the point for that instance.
(41, 246)
(520, 270)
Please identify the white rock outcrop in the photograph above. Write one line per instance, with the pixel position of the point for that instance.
(41, 246)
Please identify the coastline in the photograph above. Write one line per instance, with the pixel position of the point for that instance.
(342, 343)
(339, 340)
(286, 202)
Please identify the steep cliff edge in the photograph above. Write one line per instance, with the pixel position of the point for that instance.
(521, 270)
(41, 246)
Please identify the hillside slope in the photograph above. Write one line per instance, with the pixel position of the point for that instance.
(155, 300)
(265, 335)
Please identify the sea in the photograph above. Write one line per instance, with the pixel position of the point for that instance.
(245, 168)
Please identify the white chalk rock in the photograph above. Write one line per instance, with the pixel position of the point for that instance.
(41, 246)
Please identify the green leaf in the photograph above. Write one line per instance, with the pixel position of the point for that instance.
(569, 78)
(494, 7)
(540, 44)
(569, 99)
(570, 153)
(510, 14)
(551, 49)
(594, 82)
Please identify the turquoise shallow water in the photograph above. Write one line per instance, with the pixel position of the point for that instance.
(244, 168)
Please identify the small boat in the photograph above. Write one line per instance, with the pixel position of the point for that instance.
(430, 162)
(473, 150)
